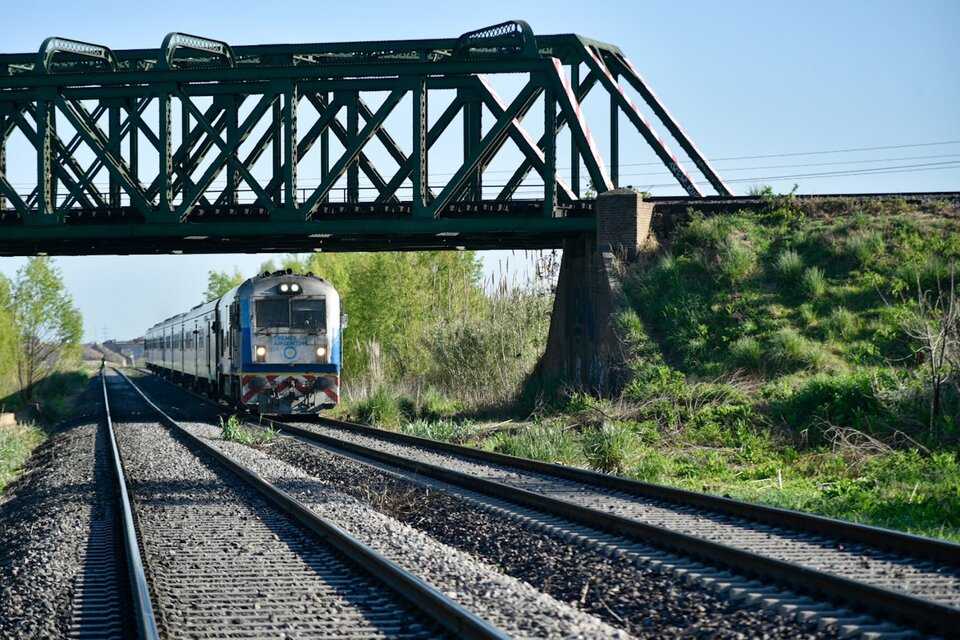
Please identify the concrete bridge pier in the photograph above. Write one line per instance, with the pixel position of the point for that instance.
(583, 350)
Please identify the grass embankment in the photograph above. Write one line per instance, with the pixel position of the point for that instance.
(52, 403)
(782, 357)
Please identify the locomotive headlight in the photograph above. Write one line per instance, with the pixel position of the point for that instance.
(261, 353)
(295, 288)
(284, 287)
(321, 353)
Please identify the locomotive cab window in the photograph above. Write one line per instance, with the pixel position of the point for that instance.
(296, 313)
(272, 312)
(308, 313)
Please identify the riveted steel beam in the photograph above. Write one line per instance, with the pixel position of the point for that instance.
(202, 132)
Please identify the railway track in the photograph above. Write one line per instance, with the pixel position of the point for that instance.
(893, 575)
(228, 554)
(803, 566)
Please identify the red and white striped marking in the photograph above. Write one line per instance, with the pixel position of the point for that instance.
(284, 383)
(602, 67)
(578, 112)
(653, 96)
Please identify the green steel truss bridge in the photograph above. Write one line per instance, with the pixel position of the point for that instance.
(202, 147)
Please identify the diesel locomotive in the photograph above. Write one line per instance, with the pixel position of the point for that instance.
(271, 345)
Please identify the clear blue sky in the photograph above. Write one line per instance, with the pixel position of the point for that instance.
(744, 78)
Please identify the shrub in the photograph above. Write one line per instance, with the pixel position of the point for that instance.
(608, 448)
(736, 260)
(747, 352)
(445, 430)
(479, 357)
(381, 409)
(789, 351)
(814, 282)
(842, 323)
(865, 246)
(434, 405)
(552, 443)
(16, 443)
(650, 465)
(789, 266)
(808, 315)
(843, 400)
(233, 429)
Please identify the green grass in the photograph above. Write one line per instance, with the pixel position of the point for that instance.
(789, 266)
(548, 443)
(233, 429)
(445, 430)
(53, 398)
(16, 445)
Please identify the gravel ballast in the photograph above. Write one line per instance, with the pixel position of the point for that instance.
(511, 605)
(222, 562)
(45, 520)
(917, 576)
(642, 600)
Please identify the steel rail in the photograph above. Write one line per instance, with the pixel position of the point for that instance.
(146, 622)
(458, 620)
(940, 550)
(885, 602)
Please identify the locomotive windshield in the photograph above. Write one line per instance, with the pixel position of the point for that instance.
(272, 312)
(296, 313)
(308, 314)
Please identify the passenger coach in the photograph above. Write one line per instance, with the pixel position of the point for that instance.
(270, 345)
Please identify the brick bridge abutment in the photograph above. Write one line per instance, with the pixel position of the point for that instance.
(583, 350)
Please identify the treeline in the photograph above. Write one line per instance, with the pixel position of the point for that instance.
(40, 328)
(426, 319)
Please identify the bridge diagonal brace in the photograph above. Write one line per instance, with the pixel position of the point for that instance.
(227, 153)
(86, 180)
(261, 146)
(143, 127)
(383, 135)
(525, 166)
(406, 170)
(368, 168)
(328, 116)
(488, 147)
(623, 66)
(7, 190)
(59, 169)
(4, 133)
(185, 166)
(350, 154)
(533, 153)
(97, 141)
(66, 153)
(643, 126)
(579, 129)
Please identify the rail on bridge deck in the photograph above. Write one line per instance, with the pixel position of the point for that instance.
(199, 146)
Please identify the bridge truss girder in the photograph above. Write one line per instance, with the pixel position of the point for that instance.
(115, 173)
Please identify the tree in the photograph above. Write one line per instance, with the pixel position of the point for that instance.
(49, 326)
(9, 339)
(219, 282)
